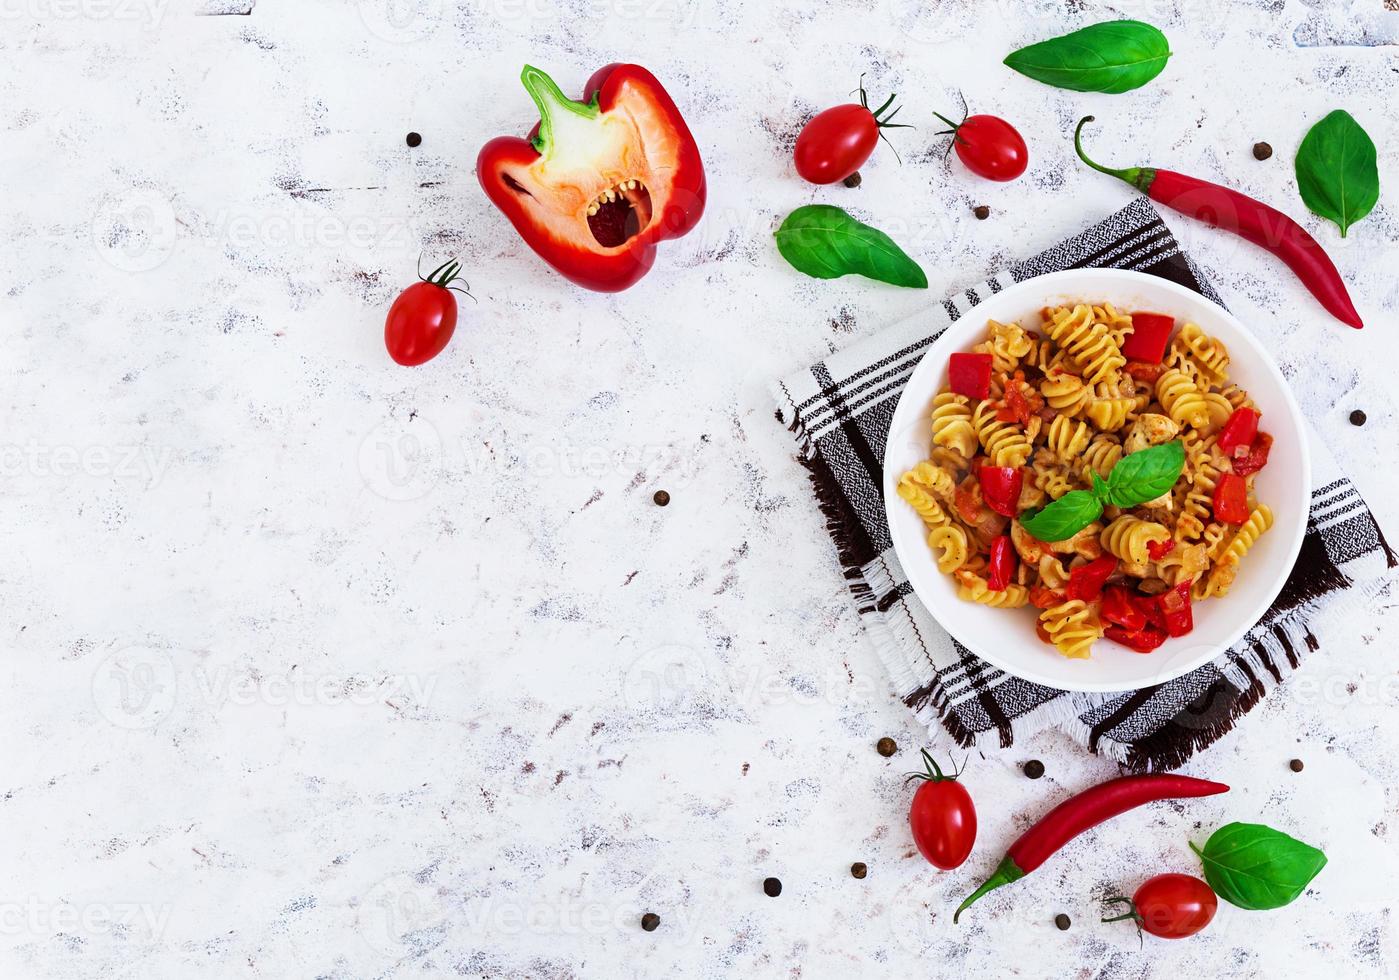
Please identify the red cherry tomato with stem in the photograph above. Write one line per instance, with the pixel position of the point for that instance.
(1171, 906)
(942, 817)
(988, 145)
(423, 318)
(838, 141)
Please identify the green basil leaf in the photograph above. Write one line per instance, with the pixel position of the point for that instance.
(1063, 518)
(826, 243)
(1336, 170)
(1145, 474)
(1113, 57)
(1257, 867)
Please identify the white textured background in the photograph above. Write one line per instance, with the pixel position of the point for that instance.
(318, 666)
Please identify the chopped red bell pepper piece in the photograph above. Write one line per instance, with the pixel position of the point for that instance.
(1156, 550)
(1231, 499)
(1043, 597)
(1176, 613)
(1149, 336)
(1120, 606)
(1086, 581)
(1257, 456)
(600, 182)
(1239, 431)
(1002, 564)
(1148, 373)
(970, 374)
(1000, 488)
(1142, 640)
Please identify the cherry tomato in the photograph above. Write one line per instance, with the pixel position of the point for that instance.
(423, 318)
(838, 141)
(942, 818)
(989, 146)
(1171, 906)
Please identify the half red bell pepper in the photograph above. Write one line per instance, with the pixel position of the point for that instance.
(1000, 488)
(1002, 564)
(969, 374)
(1231, 499)
(1121, 607)
(1086, 581)
(600, 182)
(1239, 431)
(1147, 341)
(1142, 640)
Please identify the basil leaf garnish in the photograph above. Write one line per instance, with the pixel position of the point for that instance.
(1063, 518)
(1145, 475)
(1337, 172)
(826, 243)
(1112, 57)
(1257, 867)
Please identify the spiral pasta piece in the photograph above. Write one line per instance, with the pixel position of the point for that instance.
(1109, 408)
(923, 502)
(1073, 627)
(952, 424)
(934, 479)
(1101, 455)
(1128, 538)
(1066, 393)
(951, 541)
(1206, 356)
(1247, 535)
(1119, 325)
(974, 588)
(1005, 442)
(1087, 342)
(1182, 399)
(1067, 438)
(1007, 344)
(1052, 571)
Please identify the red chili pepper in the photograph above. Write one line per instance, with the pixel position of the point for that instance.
(1084, 812)
(969, 374)
(1086, 581)
(1142, 640)
(1000, 488)
(1156, 550)
(1239, 430)
(1001, 564)
(1120, 607)
(1238, 213)
(1177, 615)
(1257, 457)
(599, 183)
(1147, 341)
(1231, 499)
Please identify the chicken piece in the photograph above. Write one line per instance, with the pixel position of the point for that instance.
(1149, 430)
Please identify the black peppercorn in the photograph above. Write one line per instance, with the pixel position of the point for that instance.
(1357, 417)
(1034, 769)
(853, 180)
(649, 921)
(858, 869)
(886, 746)
(1062, 921)
(772, 887)
(661, 498)
(1296, 765)
(414, 139)
(1262, 151)
(982, 212)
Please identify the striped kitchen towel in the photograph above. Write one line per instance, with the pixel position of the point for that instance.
(840, 410)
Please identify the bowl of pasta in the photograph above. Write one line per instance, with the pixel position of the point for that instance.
(1097, 480)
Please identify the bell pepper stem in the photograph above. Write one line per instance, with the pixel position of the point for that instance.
(1138, 177)
(550, 101)
(1006, 872)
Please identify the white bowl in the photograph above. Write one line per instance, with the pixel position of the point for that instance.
(1006, 637)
